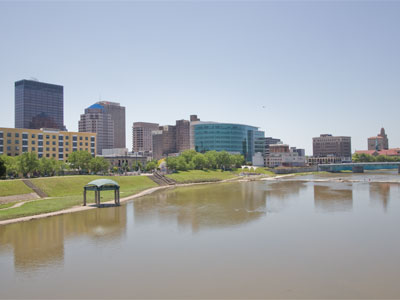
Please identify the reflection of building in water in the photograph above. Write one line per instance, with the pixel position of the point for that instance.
(280, 192)
(201, 207)
(40, 243)
(380, 193)
(330, 199)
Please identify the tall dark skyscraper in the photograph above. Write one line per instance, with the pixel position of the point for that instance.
(39, 105)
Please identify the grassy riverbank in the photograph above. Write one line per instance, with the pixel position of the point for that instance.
(66, 192)
(13, 187)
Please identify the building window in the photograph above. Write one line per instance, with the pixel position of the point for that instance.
(40, 136)
(54, 155)
(9, 148)
(54, 149)
(54, 143)
(60, 149)
(80, 138)
(25, 136)
(54, 137)
(33, 149)
(86, 144)
(40, 143)
(80, 143)
(47, 143)
(17, 135)
(1, 149)
(74, 138)
(92, 138)
(33, 135)
(67, 150)
(47, 149)
(16, 142)
(40, 155)
(74, 144)
(61, 144)
(25, 143)
(60, 155)
(8, 141)
(60, 137)
(1, 142)
(8, 134)
(86, 138)
(40, 149)
(47, 136)
(67, 143)
(67, 137)
(1, 135)
(33, 142)
(16, 148)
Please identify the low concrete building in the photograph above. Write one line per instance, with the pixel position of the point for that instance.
(312, 160)
(282, 156)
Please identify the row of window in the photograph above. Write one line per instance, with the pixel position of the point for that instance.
(40, 136)
(40, 143)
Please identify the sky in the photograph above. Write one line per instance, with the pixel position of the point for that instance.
(295, 69)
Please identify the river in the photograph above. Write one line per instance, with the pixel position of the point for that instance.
(330, 236)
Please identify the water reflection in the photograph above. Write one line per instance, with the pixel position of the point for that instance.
(201, 207)
(39, 243)
(379, 193)
(333, 198)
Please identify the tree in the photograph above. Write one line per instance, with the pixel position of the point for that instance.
(211, 159)
(172, 163)
(199, 161)
(151, 165)
(10, 163)
(2, 168)
(238, 160)
(224, 160)
(98, 164)
(80, 160)
(188, 155)
(181, 164)
(27, 163)
(46, 166)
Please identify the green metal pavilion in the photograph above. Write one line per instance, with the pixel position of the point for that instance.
(99, 185)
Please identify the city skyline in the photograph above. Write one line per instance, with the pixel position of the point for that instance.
(296, 70)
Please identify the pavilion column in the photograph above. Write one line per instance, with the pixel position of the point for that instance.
(118, 197)
(84, 197)
(115, 197)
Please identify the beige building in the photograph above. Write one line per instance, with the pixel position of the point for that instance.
(142, 136)
(328, 145)
(48, 143)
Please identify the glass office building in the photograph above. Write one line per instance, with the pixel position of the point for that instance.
(39, 105)
(233, 138)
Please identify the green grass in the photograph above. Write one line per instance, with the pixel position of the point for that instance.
(201, 176)
(68, 192)
(13, 187)
(7, 205)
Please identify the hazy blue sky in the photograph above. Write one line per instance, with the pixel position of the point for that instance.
(317, 67)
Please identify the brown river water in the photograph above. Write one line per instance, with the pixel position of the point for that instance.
(333, 236)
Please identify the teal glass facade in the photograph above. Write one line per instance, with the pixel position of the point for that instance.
(234, 138)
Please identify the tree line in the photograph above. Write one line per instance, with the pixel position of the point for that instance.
(29, 165)
(357, 157)
(212, 160)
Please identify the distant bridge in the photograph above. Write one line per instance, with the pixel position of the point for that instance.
(359, 167)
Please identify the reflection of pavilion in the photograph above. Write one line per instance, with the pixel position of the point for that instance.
(200, 207)
(380, 193)
(330, 199)
(40, 243)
